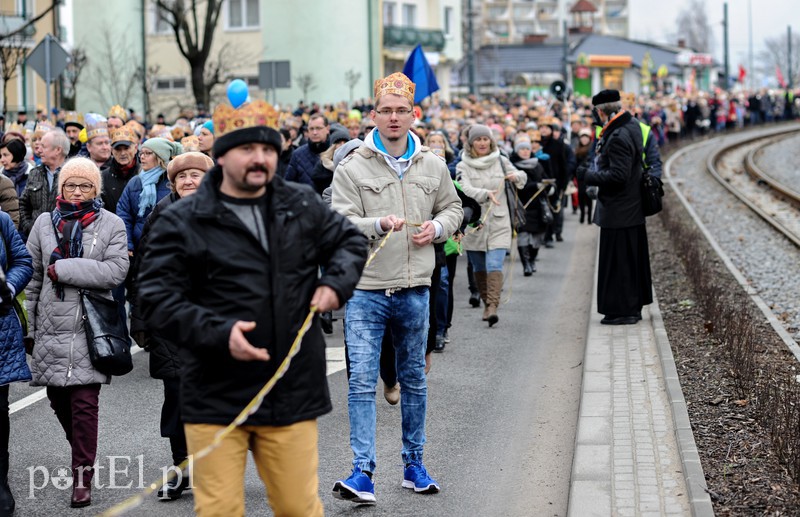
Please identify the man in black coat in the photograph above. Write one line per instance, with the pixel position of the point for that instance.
(559, 170)
(229, 275)
(623, 284)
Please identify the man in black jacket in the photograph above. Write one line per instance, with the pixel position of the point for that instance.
(123, 165)
(623, 279)
(230, 275)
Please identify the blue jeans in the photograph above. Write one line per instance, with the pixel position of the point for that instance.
(368, 315)
(491, 260)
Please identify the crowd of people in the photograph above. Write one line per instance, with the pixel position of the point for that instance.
(216, 235)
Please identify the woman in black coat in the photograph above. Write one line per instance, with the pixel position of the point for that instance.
(185, 173)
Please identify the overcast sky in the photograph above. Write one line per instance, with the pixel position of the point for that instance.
(655, 20)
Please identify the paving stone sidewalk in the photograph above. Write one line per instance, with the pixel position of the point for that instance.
(635, 454)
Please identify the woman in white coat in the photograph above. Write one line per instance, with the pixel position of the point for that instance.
(482, 174)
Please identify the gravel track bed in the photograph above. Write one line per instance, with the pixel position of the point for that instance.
(781, 161)
(769, 261)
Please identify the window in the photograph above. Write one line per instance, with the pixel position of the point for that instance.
(161, 19)
(389, 14)
(170, 84)
(409, 15)
(448, 21)
(243, 14)
(252, 81)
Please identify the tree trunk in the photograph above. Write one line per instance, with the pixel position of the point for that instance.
(198, 84)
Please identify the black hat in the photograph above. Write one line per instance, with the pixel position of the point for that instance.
(74, 124)
(606, 96)
(248, 135)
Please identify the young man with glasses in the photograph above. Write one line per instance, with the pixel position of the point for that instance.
(392, 183)
(306, 157)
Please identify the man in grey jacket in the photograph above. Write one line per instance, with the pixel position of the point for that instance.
(392, 184)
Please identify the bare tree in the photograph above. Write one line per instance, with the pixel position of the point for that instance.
(77, 65)
(776, 54)
(115, 76)
(12, 54)
(351, 77)
(306, 83)
(193, 23)
(694, 27)
(150, 78)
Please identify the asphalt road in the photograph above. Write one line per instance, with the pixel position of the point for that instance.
(503, 404)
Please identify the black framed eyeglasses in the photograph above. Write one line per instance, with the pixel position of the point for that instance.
(85, 187)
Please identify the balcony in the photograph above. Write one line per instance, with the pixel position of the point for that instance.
(11, 22)
(430, 39)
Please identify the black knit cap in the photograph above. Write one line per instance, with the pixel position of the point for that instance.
(606, 96)
(73, 124)
(248, 135)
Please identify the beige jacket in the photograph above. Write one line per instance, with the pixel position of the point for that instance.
(365, 189)
(477, 177)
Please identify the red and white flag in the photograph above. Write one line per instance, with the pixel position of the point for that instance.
(779, 76)
(742, 73)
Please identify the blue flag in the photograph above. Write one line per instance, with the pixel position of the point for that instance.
(421, 74)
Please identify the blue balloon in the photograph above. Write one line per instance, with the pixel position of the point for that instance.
(237, 92)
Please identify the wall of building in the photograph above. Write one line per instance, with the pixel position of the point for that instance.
(112, 40)
(325, 40)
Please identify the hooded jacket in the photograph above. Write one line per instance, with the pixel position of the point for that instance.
(366, 187)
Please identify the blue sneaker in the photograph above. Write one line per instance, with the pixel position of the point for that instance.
(416, 477)
(358, 488)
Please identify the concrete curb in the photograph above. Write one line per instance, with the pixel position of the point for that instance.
(699, 499)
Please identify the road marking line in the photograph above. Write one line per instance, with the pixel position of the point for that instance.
(36, 396)
(334, 356)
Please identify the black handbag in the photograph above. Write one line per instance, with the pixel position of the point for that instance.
(547, 214)
(652, 192)
(106, 336)
(516, 209)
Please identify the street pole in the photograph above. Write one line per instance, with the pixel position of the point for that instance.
(470, 50)
(789, 41)
(750, 41)
(565, 44)
(47, 78)
(725, 38)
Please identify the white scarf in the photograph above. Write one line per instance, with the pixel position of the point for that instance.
(483, 162)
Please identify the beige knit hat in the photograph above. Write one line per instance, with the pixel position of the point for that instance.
(186, 162)
(83, 168)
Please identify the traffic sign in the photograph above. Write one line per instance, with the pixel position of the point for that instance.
(48, 59)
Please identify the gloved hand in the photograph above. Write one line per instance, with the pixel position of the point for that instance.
(592, 192)
(51, 272)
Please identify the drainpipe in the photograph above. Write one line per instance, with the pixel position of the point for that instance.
(370, 24)
(145, 103)
(24, 70)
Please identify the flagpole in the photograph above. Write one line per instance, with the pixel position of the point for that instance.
(750, 39)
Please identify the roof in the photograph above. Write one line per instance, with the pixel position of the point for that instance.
(583, 6)
(597, 44)
(502, 63)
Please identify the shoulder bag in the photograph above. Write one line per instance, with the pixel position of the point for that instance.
(516, 209)
(106, 338)
(652, 192)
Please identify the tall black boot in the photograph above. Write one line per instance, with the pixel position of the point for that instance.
(7, 503)
(533, 253)
(525, 258)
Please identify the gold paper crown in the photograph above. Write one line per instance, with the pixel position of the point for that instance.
(74, 117)
(41, 129)
(16, 128)
(628, 99)
(119, 112)
(137, 129)
(252, 114)
(190, 143)
(396, 84)
(96, 125)
(123, 134)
